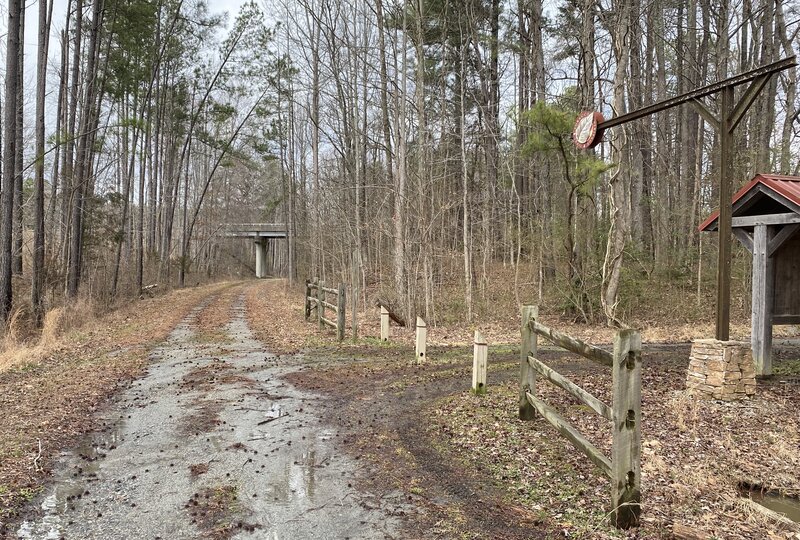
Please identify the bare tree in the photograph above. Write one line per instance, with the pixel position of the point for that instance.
(37, 271)
(13, 47)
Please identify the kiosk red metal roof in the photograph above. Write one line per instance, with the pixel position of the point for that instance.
(786, 186)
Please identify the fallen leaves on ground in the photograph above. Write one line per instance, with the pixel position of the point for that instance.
(275, 315)
(694, 452)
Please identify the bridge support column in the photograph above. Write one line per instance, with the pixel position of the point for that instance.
(261, 259)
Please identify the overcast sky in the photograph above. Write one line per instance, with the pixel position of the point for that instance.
(59, 15)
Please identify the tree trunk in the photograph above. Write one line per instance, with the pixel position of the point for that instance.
(37, 273)
(619, 181)
(465, 224)
(16, 264)
(70, 181)
(13, 47)
(401, 184)
(83, 167)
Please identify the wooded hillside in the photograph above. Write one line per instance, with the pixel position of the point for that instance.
(425, 143)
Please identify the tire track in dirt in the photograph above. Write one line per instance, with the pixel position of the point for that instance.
(383, 420)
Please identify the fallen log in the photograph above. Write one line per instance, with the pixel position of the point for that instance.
(149, 290)
(393, 314)
(683, 532)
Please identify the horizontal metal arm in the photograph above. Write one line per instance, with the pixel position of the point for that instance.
(736, 80)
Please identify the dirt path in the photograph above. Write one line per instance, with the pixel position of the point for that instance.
(212, 442)
(384, 413)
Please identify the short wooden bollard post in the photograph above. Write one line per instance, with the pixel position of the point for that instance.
(479, 359)
(422, 338)
(626, 494)
(384, 324)
(527, 376)
(340, 313)
(320, 305)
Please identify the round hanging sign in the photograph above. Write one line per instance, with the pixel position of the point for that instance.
(586, 133)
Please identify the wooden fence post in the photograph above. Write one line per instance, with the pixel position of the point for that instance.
(479, 358)
(340, 313)
(422, 338)
(527, 376)
(384, 324)
(320, 306)
(307, 300)
(627, 438)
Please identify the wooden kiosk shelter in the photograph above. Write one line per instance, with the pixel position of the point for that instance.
(765, 217)
(590, 126)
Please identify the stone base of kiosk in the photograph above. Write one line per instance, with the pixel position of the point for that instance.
(721, 370)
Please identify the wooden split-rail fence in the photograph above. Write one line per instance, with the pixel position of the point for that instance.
(316, 304)
(625, 413)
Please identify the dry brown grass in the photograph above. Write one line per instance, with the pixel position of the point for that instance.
(54, 324)
(16, 350)
(12, 349)
(275, 314)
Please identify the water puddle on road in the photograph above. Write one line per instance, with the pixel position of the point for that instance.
(64, 492)
(296, 481)
(100, 443)
(53, 507)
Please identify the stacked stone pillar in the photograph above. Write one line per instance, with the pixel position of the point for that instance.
(721, 370)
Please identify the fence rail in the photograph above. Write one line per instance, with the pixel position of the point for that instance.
(624, 414)
(316, 303)
(570, 387)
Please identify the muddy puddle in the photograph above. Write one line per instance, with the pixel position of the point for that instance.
(788, 507)
(249, 436)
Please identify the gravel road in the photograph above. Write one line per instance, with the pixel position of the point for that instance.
(211, 443)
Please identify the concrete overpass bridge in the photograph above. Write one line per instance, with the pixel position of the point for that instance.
(263, 234)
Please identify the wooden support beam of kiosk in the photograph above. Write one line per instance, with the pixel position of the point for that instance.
(589, 131)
